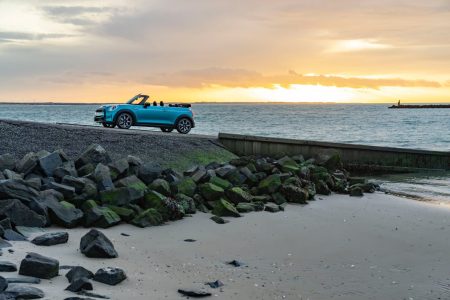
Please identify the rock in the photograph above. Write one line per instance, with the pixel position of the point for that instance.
(111, 276)
(102, 177)
(121, 196)
(125, 214)
(67, 191)
(27, 163)
(6, 266)
(169, 208)
(39, 266)
(149, 217)
(171, 176)
(236, 177)
(101, 216)
(322, 188)
(224, 184)
(88, 204)
(86, 170)
(51, 238)
(215, 284)
(193, 293)
(199, 175)
(356, 191)
(270, 184)
(219, 220)
(250, 177)
(258, 205)
(149, 172)
(271, 207)
(94, 154)
(62, 213)
(367, 187)
(189, 240)
(225, 170)
(3, 284)
(77, 273)
(5, 223)
(210, 191)
(331, 161)
(288, 164)
(235, 263)
(238, 195)
(119, 168)
(278, 198)
(11, 235)
(161, 186)
(224, 208)
(17, 189)
(134, 160)
(35, 183)
(49, 163)
(80, 284)
(245, 207)
(187, 203)
(12, 175)
(27, 280)
(77, 183)
(21, 215)
(295, 194)
(23, 292)
(67, 168)
(186, 186)
(7, 161)
(95, 244)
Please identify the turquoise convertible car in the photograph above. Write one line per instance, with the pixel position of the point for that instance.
(138, 112)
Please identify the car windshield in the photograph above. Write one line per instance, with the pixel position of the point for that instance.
(138, 100)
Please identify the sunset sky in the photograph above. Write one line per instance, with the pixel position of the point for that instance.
(233, 50)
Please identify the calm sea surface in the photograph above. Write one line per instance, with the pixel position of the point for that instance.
(359, 124)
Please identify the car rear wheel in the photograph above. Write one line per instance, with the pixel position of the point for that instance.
(165, 129)
(124, 121)
(107, 125)
(184, 125)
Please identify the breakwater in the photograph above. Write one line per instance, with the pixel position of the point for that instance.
(354, 157)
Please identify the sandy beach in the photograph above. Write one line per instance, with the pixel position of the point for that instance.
(338, 247)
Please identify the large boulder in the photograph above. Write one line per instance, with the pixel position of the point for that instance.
(18, 291)
(51, 238)
(49, 163)
(36, 265)
(211, 192)
(122, 196)
(295, 194)
(287, 164)
(100, 216)
(223, 208)
(20, 215)
(119, 168)
(111, 276)
(94, 154)
(223, 183)
(77, 273)
(149, 217)
(95, 244)
(63, 213)
(77, 183)
(186, 186)
(102, 177)
(17, 189)
(238, 195)
(187, 203)
(80, 284)
(270, 184)
(161, 186)
(149, 172)
(67, 191)
(27, 163)
(125, 213)
(67, 168)
(225, 170)
(169, 208)
(322, 188)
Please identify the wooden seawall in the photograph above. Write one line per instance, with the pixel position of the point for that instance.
(354, 157)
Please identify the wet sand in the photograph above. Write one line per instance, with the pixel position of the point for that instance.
(375, 247)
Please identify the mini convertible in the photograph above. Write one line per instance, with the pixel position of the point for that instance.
(138, 112)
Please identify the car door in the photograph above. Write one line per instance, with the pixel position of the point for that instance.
(151, 114)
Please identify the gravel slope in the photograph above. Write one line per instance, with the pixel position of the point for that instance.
(168, 149)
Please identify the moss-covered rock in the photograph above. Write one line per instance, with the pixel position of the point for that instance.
(101, 216)
(295, 194)
(125, 213)
(149, 217)
(211, 192)
(161, 186)
(88, 204)
(223, 183)
(121, 196)
(245, 207)
(356, 191)
(186, 186)
(278, 198)
(270, 184)
(223, 208)
(169, 208)
(187, 203)
(322, 188)
(238, 195)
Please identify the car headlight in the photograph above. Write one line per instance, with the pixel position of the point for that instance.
(111, 108)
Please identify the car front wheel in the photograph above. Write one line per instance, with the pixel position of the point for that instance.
(184, 125)
(124, 121)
